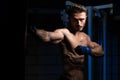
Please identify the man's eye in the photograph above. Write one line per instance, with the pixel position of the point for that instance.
(81, 19)
(75, 19)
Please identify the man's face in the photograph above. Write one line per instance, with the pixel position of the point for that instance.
(78, 21)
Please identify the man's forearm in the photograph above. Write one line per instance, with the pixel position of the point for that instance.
(97, 50)
(42, 34)
(48, 36)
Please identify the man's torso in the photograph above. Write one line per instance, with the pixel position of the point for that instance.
(74, 63)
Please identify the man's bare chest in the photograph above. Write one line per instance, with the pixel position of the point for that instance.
(82, 40)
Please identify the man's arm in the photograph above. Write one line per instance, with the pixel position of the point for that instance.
(93, 49)
(47, 36)
(96, 49)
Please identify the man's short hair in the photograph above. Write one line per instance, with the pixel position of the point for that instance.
(76, 9)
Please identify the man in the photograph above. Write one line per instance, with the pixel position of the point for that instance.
(75, 43)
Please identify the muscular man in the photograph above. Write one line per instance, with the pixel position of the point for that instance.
(75, 43)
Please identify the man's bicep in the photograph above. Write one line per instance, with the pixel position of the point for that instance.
(97, 49)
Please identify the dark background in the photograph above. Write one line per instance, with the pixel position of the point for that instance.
(33, 60)
(43, 60)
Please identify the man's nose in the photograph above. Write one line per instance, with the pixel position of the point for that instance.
(79, 22)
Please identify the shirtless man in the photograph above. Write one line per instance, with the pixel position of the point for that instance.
(75, 43)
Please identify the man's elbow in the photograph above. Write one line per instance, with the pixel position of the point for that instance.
(98, 53)
(101, 53)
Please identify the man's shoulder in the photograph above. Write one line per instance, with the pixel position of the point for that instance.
(83, 34)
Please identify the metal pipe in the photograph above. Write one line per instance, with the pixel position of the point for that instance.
(90, 34)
